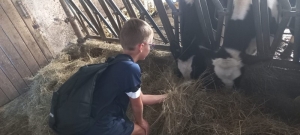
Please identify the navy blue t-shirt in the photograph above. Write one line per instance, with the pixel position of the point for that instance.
(113, 89)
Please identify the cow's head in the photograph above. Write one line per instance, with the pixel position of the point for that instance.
(228, 63)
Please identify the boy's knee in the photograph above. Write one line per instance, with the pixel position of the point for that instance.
(138, 130)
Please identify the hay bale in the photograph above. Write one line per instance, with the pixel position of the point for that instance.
(190, 108)
(277, 84)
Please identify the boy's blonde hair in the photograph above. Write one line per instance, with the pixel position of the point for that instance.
(134, 32)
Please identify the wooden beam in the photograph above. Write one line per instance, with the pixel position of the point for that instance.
(25, 34)
(11, 73)
(7, 87)
(36, 34)
(8, 49)
(17, 42)
(3, 98)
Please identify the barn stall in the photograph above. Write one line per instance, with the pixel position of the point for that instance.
(190, 108)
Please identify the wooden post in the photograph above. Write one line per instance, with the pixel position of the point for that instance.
(71, 19)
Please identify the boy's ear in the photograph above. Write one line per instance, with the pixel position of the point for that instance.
(140, 46)
(206, 52)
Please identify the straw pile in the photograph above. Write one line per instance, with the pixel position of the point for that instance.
(189, 110)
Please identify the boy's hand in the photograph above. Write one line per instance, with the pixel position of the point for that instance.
(144, 124)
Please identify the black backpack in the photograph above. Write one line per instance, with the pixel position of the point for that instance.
(71, 104)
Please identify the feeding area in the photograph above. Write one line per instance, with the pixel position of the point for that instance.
(189, 109)
(267, 100)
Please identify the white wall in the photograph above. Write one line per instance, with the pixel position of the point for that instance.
(49, 15)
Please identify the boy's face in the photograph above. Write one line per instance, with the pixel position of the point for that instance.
(145, 48)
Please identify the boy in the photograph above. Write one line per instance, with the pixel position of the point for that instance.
(120, 84)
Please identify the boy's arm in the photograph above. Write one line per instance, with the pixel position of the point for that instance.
(153, 99)
(137, 108)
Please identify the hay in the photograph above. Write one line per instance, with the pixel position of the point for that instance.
(189, 110)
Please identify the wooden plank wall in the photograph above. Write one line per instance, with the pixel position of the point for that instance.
(22, 51)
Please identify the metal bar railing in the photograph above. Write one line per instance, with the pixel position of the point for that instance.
(129, 8)
(258, 28)
(264, 11)
(201, 18)
(80, 13)
(286, 9)
(175, 13)
(221, 12)
(208, 24)
(116, 9)
(90, 15)
(297, 34)
(109, 16)
(148, 16)
(101, 18)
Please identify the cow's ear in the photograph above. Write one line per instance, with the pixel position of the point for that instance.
(251, 59)
(207, 52)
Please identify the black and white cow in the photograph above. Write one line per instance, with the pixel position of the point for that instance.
(190, 62)
(239, 45)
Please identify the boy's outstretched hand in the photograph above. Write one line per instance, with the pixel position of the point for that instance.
(153, 99)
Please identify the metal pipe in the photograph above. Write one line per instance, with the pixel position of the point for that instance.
(97, 12)
(258, 28)
(297, 34)
(71, 19)
(89, 13)
(229, 11)
(208, 24)
(201, 18)
(117, 10)
(129, 8)
(282, 26)
(285, 5)
(109, 15)
(81, 14)
(151, 21)
(264, 10)
(218, 5)
(175, 12)
(219, 28)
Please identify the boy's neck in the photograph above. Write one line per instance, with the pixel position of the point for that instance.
(133, 55)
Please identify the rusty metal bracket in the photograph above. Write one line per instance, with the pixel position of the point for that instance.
(23, 9)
